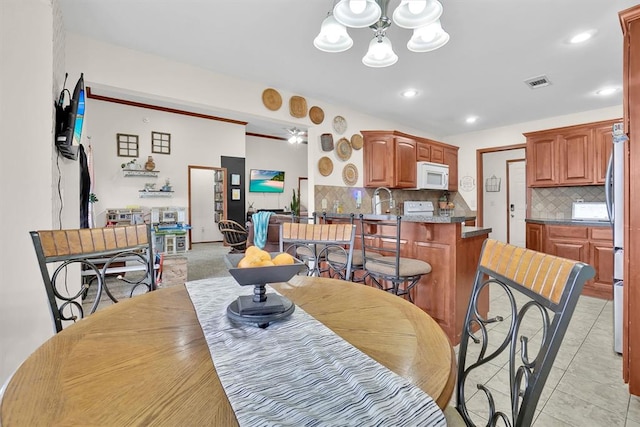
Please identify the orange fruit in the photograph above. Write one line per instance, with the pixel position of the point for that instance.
(251, 250)
(283, 259)
(265, 263)
(244, 262)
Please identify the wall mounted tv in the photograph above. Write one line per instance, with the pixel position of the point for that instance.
(69, 120)
(266, 181)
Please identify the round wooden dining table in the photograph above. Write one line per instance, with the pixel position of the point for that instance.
(145, 361)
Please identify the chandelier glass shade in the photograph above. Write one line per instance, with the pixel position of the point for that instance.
(422, 16)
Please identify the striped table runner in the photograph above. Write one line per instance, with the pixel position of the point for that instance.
(298, 372)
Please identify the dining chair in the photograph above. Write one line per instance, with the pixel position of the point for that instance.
(100, 252)
(357, 262)
(542, 291)
(322, 247)
(234, 234)
(384, 265)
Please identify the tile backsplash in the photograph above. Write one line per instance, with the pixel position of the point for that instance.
(556, 202)
(346, 196)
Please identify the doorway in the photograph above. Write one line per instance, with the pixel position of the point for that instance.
(493, 209)
(202, 203)
(516, 202)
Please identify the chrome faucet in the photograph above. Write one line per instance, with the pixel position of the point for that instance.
(376, 201)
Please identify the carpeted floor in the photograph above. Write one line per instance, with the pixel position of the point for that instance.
(204, 260)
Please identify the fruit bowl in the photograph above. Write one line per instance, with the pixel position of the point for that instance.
(262, 275)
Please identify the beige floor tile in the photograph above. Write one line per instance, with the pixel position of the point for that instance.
(632, 423)
(610, 396)
(501, 383)
(544, 420)
(633, 412)
(575, 411)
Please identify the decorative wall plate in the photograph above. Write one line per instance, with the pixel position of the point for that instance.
(326, 142)
(316, 115)
(325, 166)
(271, 99)
(350, 174)
(343, 149)
(356, 141)
(298, 106)
(339, 124)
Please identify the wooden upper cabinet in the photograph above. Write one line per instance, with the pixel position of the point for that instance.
(430, 151)
(575, 155)
(603, 138)
(405, 163)
(450, 156)
(378, 160)
(389, 160)
(423, 150)
(541, 161)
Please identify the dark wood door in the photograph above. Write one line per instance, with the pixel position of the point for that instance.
(603, 137)
(405, 163)
(451, 159)
(534, 237)
(575, 150)
(541, 161)
(378, 161)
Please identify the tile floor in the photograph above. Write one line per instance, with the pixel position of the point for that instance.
(585, 386)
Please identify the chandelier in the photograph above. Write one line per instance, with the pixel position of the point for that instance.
(297, 136)
(422, 16)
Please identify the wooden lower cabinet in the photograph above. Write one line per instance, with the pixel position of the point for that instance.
(591, 245)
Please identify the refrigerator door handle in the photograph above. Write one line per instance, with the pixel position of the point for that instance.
(608, 186)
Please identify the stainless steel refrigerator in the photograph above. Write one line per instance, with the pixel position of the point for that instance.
(614, 191)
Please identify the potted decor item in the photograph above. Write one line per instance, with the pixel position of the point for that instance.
(443, 201)
(295, 203)
(150, 165)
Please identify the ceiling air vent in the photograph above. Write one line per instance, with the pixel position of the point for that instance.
(537, 82)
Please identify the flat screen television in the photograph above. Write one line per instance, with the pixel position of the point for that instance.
(69, 121)
(266, 181)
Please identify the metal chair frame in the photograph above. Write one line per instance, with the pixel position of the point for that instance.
(328, 218)
(375, 246)
(315, 242)
(234, 234)
(97, 250)
(552, 286)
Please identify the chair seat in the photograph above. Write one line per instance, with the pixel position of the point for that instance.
(453, 417)
(408, 266)
(306, 251)
(356, 260)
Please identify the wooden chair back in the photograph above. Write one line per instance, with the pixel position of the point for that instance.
(320, 243)
(98, 250)
(542, 291)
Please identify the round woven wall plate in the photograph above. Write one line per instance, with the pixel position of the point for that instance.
(298, 107)
(339, 124)
(356, 141)
(316, 115)
(325, 166)
(350, 174)
(271, 99)
(343, 149)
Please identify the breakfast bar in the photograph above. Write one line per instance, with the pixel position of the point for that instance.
(453, 250)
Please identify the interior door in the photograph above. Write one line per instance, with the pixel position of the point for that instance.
(516, 202)
(201, 205)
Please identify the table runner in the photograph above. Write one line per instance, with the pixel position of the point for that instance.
(299, 372)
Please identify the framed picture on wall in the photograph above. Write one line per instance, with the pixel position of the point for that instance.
(235, 179)
(235, 194)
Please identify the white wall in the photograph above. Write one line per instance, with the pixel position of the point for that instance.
(266, 153)
(26, 171)
(194, 141)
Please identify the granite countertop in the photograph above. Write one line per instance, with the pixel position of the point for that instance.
(578, 222)
(466, 231)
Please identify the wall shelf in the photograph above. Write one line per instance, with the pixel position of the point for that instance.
(140, 172)
(156, 193)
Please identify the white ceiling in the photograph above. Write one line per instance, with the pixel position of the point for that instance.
(495, 45)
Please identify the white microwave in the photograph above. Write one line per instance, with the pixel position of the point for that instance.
(432, 176)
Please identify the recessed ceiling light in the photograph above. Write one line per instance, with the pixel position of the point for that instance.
(471, 119)
(581, 37)
(607, 91)
(410, 93)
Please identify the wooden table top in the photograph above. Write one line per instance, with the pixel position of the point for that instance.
(145, 361)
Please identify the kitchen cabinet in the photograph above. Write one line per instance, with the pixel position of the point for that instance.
(390, 158)
(570, 156)
(450, 157)
(589, 244)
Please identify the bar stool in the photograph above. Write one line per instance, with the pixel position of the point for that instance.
(382, 261)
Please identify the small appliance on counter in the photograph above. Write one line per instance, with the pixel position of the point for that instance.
(589, 211)
(418, 207)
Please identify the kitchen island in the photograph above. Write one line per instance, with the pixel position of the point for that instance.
(453, 251)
